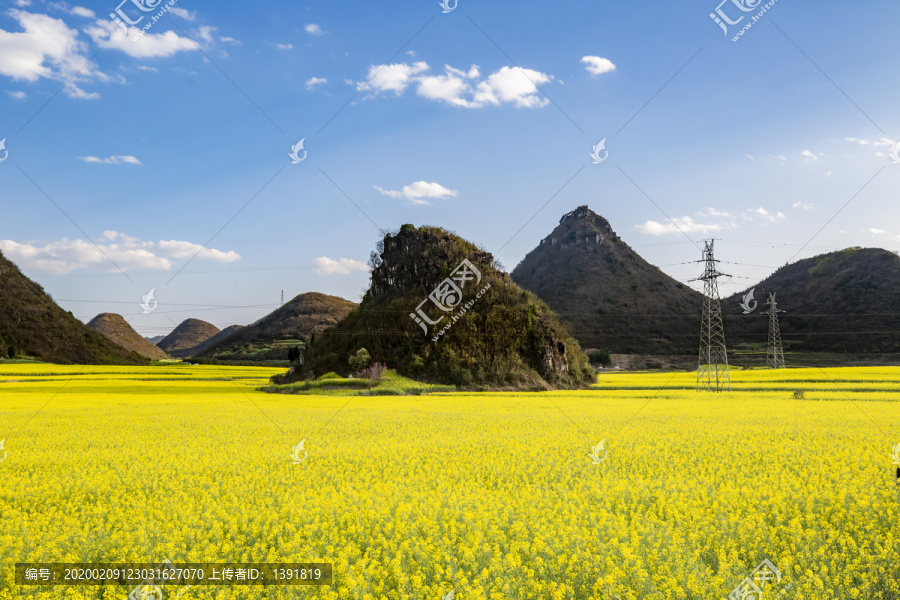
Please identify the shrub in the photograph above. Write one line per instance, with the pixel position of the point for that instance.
(599, 357)
(360, 360)
(799, 395)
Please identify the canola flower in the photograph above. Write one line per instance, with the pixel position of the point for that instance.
(490, 496)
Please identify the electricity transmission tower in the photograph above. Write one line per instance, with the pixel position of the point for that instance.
(712, 369)
(774, 353)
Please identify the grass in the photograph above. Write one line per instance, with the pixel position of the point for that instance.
(493, 495)
(390, 384)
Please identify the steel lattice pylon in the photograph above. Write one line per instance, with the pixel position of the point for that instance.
(712, 368)
(774, 353)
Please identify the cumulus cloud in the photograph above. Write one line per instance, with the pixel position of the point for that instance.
(803, 205)
(128, 253)
(875, 143)
(341, 266)
(458, 87)
(313, 29)
(312, 82)
(419, 192)
(111, 160)
(107, 35)
(596, 65)
(678, 225)
(47, 49)
(17, 95)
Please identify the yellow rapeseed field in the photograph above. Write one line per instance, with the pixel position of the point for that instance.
(487, 496)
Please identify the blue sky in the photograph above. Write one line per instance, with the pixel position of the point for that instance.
(135, 155)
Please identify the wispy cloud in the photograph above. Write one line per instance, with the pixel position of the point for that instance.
(111, 160)
(312, 82)
(128, 253)
(341, 266)
(419, 192)
(678, 225)
(313, 29)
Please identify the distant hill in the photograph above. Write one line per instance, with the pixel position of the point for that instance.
(115, 328)
(432, 316)
(188, 335)
(155, 339)
(845, 301)
(35, 325)
(290, 325)
(219, 337)
(607, 295)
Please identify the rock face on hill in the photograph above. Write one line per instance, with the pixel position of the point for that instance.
(34, 325)
(845, 301)
(188, 335)
(607, 295)
(290, 325)
(115, 328)
(439, 309)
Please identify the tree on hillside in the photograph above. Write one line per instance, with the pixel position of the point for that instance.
(360, 360)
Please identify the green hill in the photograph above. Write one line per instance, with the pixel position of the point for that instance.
(290, 325)
(433, 317)
(34, 325)
(845, 301)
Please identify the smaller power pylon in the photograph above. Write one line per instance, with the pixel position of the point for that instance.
(774, 353)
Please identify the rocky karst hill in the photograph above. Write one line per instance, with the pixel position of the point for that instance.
(115, 328)
(608, 296)
(439, 309)
(189, 334)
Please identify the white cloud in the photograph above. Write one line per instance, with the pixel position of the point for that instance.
(284, 46)
(809, 154)
(457, 87)
(391, 78)
(147, 68)
(83, 12)
(762, 212)
(596, 65)
(187, 15)
(128, 253)
(803, 205)
(312, 82)
(419, 191)
(111, 160)
(513, 84)
(17, 95)
(106, 34)
(230, 40)
(712, 212)
(677, 225)
(411, 53)
(875, 231)
(313, 29)
(750, 156)
(876, 143)
(49, 49)
(341, 266)
(23, 2)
